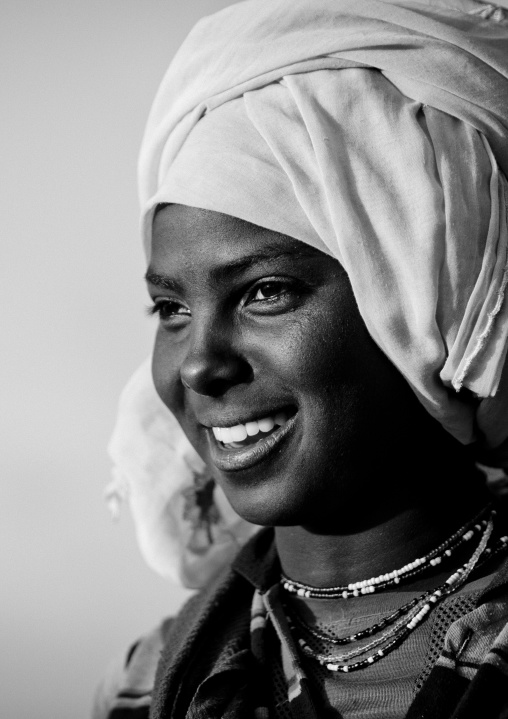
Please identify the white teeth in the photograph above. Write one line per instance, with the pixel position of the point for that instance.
(252, 428)
(238, 433)
(228, 435)
(266, 424)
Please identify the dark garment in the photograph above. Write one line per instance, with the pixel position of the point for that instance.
(207, 669)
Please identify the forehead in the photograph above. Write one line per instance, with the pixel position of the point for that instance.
(184, 238)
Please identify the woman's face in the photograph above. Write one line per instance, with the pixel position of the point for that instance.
(262, 356)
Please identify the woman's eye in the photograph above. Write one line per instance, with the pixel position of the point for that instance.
(169, 309)
(268, 291)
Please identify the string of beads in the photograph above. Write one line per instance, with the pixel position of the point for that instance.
(405, 609)
(407, 618)
(364, 633)
(369, 586)
(415, 615)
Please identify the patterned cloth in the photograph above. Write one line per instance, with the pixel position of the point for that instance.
(268, 605)
(211, 663)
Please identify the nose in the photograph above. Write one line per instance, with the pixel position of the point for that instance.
(213, 364)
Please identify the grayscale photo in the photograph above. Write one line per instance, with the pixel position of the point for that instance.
(256, 367)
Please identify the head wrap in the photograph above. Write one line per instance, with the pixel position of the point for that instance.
(377, 132)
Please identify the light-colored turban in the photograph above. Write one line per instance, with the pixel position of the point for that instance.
(378, 133)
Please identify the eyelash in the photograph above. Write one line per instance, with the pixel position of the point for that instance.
(158, 307)
(285, 285)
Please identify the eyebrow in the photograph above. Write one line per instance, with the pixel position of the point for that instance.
(222, 272)
(161, 280)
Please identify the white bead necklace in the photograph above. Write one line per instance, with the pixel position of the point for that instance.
(415, 615)
(419, 565)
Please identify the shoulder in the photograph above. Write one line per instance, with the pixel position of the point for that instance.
(126, 689)
(128, 682)
(219, 611)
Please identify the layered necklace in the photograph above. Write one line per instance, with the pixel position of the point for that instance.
(392, 630)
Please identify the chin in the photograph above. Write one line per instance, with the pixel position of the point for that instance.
(269, 503)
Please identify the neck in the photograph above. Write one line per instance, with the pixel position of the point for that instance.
(388, 541)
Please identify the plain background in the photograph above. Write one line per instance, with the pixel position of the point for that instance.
(77, 81)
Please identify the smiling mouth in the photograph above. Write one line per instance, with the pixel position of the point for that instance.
(244, 435)
(243, 445)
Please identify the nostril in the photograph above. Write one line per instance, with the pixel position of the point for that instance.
(214, 375)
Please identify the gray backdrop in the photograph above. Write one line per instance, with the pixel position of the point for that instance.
(77, 80)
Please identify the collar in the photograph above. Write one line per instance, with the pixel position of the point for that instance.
(258, 562)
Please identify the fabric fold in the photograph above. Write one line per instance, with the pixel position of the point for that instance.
(376, 132)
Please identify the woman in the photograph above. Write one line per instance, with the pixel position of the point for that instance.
(324, 211)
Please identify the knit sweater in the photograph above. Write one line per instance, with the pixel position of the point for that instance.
(206, 668)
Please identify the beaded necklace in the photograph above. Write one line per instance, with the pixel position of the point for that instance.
(405, 619)
(369, 586)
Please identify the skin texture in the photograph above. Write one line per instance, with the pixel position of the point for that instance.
(251, 322)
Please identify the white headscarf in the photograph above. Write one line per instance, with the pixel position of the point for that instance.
(378, 133)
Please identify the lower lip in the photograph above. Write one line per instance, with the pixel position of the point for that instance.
(234, 460)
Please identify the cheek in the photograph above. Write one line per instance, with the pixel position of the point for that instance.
(319, 352)
(166, 373)
(166, 378)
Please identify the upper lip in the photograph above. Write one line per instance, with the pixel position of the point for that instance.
(231, 420)
(231, 459)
